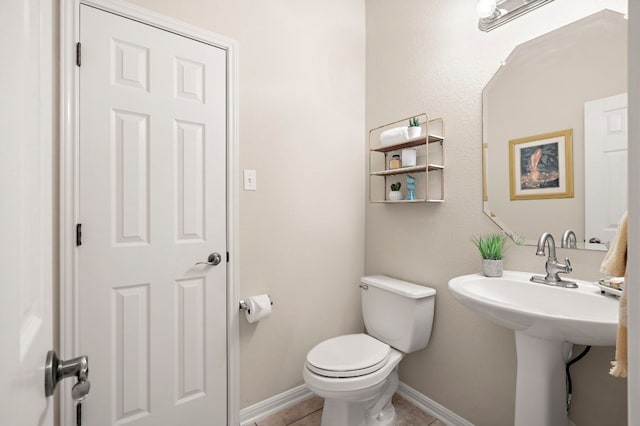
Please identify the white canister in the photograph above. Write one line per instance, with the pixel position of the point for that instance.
(408, 157)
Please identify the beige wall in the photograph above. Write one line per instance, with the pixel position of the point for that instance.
(428, 55)
(301, 74)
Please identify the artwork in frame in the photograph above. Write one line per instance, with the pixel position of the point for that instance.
(541, 166)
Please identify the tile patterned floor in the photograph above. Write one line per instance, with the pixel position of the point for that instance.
(309, 413)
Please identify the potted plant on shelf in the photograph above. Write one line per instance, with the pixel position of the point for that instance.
(395, 194)
(491, 247)
(414, 129)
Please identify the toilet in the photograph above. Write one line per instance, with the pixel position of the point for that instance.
(357, 374)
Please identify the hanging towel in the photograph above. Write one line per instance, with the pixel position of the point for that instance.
(615, 263)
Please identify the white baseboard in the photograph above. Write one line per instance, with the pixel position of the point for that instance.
(429, 406)
(291, 397)
(274, 404)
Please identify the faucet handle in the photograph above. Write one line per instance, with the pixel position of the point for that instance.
(568, 263)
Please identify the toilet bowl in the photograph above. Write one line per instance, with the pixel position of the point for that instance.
(357, 374)
(351, 392)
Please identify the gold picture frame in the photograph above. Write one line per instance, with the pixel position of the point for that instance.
(541, 166)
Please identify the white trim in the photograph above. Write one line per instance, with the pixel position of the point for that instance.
(274, 404)
(633, 268)
(293, 396)
(429, 406)
(69, 213)
(233, 237)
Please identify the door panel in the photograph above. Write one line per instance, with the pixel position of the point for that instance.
(26, 141)
(152, 204)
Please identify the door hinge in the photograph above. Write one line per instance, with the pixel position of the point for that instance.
(227, 257)
(78, 234)
(78, 53)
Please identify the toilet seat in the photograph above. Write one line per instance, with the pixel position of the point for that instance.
(351, 355)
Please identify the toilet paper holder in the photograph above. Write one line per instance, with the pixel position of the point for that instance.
(245, 307)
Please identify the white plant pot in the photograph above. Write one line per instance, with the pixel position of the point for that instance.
(492, 268)
(414, 131)
(395, 195)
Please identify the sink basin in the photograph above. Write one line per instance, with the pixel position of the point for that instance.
(580, 315)
(547, 321)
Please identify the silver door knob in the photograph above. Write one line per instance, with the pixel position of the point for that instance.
(55, 370)
(213, 260)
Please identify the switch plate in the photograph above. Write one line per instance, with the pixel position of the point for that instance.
(250, 180)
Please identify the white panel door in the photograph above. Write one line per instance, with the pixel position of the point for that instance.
(606, 139)
(25, 211)
(152, 204)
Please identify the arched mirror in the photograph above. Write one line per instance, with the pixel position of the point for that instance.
(554, 134)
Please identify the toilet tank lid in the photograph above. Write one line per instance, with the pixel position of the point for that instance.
(403, 288)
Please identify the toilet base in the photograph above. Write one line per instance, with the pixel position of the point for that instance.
(342, 413)
(376, 410)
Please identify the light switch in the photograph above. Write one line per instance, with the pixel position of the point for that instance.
(250, 180)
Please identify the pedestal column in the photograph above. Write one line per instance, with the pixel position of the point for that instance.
(541, 381)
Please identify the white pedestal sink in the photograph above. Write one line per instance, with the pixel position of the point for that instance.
(547, 320)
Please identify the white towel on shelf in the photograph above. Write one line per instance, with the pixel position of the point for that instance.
(392, 136)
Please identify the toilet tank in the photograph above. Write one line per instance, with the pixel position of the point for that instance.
(397, 312)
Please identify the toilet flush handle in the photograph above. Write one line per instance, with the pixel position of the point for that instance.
(364, 286)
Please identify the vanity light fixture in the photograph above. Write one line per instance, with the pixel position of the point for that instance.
(493, 13)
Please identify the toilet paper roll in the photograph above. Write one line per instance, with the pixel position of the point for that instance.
(258, 307)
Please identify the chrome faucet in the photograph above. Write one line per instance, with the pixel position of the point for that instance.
(553, 267)
(569, 239)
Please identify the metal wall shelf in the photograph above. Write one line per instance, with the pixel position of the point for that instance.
(429, 168)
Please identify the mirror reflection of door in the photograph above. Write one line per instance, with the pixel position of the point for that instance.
(605, 165)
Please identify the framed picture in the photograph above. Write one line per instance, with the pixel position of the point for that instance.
(541, 166)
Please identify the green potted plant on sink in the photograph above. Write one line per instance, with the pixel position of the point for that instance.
(491, 247)
(414, 129)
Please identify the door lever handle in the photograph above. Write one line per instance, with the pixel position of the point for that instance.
(56, 369)
(213, 260)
